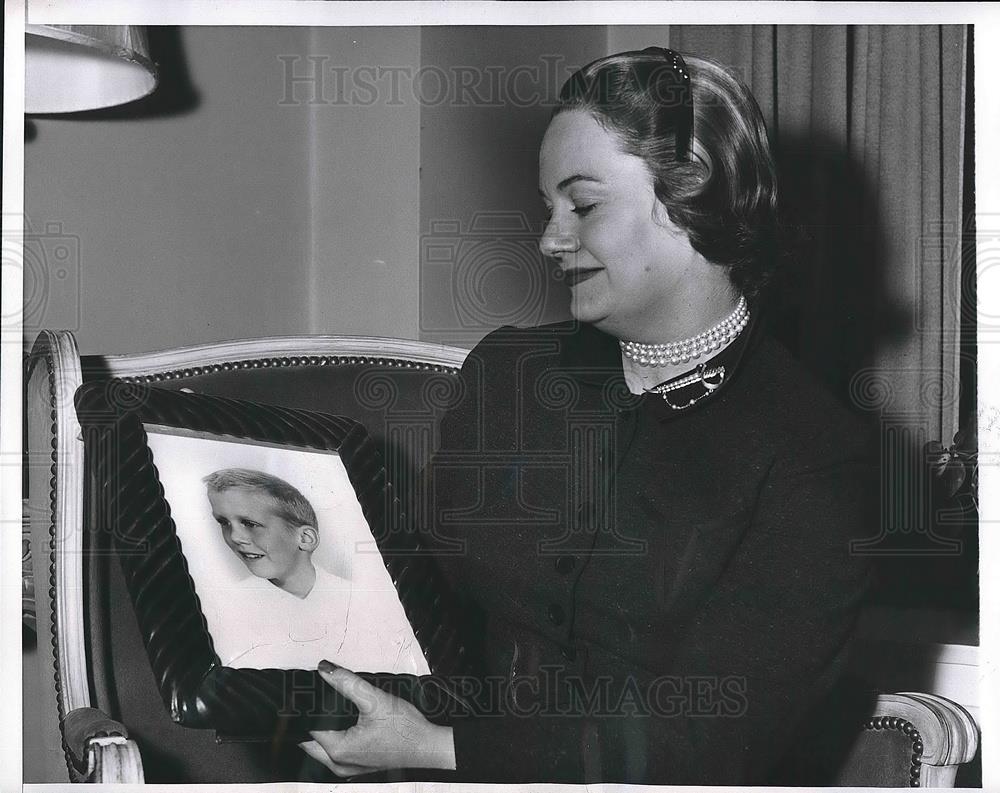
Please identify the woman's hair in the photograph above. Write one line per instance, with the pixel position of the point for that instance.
(292, 507)
(702, 135)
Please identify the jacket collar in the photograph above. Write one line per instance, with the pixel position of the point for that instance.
(594, 359)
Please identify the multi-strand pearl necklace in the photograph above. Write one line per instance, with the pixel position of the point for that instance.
(686, 350)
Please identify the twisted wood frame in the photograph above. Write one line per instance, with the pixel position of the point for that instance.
(196, 688)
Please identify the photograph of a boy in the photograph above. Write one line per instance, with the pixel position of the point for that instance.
(268, 524)
(273, 530)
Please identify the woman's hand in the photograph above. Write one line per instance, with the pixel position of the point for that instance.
(390, 732)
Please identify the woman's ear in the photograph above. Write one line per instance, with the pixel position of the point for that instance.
(660, 214)
(662, 218)
(308, 538)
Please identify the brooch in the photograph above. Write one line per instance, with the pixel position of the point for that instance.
(708, 379)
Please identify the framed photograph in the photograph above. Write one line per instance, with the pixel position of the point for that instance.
(256, 541)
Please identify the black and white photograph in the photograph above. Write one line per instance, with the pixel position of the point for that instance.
(511, 393)
(287, 574)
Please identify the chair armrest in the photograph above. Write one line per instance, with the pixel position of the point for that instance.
(100, 749)
(114, 760)
(948, 732)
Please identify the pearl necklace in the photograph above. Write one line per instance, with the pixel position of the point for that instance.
(686, 350)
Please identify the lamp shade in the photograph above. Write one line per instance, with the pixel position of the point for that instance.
(70, 68)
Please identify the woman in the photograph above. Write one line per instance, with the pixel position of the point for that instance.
(651, 506)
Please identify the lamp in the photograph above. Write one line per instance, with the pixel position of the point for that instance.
(70, 68)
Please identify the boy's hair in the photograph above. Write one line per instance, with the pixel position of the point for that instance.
(292, 506)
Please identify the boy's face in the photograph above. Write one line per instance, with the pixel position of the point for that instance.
(267, 544)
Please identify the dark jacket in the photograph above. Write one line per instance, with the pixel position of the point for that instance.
(662, 593)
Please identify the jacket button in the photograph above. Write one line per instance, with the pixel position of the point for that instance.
(565, 564)
(557, 616)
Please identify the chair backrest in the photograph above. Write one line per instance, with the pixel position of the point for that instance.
(396, 388)
(54, 478)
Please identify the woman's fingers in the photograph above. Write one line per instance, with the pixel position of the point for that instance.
(332, 742)
(339, 750)
(318, 751)
(349, 770)
(390, 732)
(359, 691)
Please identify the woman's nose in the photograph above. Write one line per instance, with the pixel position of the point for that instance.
(556, 241)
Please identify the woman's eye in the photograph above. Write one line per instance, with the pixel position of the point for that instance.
(583, 210)
(250, 524)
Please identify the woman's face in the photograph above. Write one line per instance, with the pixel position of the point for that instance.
(629, 269)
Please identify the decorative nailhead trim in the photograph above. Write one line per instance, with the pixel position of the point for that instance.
(289, 361)
(907, 728)
(51, 550)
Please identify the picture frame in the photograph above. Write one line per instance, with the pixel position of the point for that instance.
(146, 447)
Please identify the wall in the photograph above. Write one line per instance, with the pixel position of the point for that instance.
(480, 213)
(365, 189)
(190, 227)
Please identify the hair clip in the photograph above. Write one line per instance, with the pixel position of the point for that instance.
(674, 59)
(685, 119)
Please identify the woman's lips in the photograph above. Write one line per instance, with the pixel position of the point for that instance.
(579, 274)
(250, 557)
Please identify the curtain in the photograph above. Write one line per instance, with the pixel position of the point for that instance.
(868, 126)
